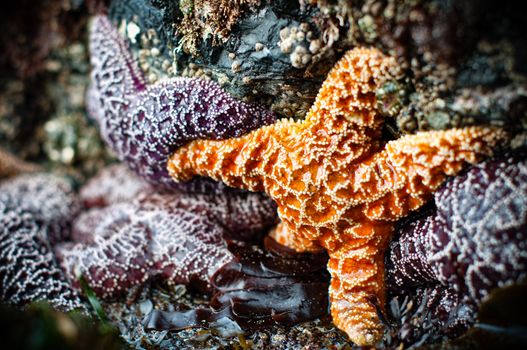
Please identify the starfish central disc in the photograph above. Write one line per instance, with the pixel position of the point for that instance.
(336, 184)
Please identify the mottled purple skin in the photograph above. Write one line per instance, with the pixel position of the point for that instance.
(113, 184)
(473, 241)
(175, 237)
(31, 208)
(50, 199)
(112, 261)
(144, 124)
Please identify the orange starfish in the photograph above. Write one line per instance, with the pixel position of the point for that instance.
(336, 184)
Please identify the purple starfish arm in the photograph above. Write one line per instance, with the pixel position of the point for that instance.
(407, 256)
(50, 199)
(177, 237)
(242, 215)
(145, 124)
(111, 185)
(188, 248)
(471, 243)
(142, 242)
(31, 209)
(111, 260)
(439, 311)
(239, 212)
(482, 217)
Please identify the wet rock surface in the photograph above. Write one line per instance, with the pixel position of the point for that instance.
(462, 60)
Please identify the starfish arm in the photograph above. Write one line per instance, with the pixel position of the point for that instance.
(348, 93)
(144, 124)
(248, 214)
(242, 214)
(283, 235)
(35, 212)
(357, 293)
(409, 169)
(170, 114)
(407, 262)
(245, 162)
(115, 72)
(155, 236)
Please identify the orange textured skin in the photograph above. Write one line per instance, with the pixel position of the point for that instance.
(337, 186)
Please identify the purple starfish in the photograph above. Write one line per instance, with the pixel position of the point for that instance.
(50, 199)
(144, 124)
(178, 237)
(113, 184)
(197, 239)
(32, 209)
(473, 242)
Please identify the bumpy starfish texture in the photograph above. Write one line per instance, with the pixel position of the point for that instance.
(336, 185)
(112, 184)
(144, 124)
(473, 242)
(28, 271)
(51, 200)
(176, 237)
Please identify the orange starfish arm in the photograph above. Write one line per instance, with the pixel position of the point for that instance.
(343, 117)
(356, 292)
(243, 162)
(409, 169)
(286, 237)
(348, 93)
(405, 173)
